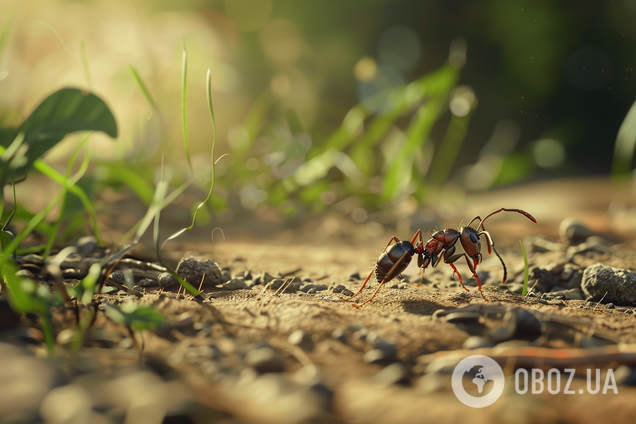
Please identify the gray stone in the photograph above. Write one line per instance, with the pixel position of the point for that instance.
(291, 287)
(118, 277)
(193, 271)
(148, 283)
(573, 232)
(86, 245)
(167, 281)
(235, 284)
(571, 294)
(613, 285)
(338, 289)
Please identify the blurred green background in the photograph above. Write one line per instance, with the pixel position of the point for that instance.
(358, 106)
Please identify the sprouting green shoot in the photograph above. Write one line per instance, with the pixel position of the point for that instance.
(184, 81)
(210, 191)
(524, 292)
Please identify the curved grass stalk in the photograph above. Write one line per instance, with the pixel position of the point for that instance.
(194, 214)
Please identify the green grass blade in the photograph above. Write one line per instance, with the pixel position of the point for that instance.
(525, 270)
(5, 226)
(87, 70)
(184, 82)
(160, 194)
(168, 200)
(144, 89)
(625, 146)
(210, 191)
(4, 35)
(448, 150)
(33, 223)
(69, 170)
(53, 175)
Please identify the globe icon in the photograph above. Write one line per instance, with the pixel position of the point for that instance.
(476, 381)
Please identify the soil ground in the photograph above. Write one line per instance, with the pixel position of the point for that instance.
(332, 375)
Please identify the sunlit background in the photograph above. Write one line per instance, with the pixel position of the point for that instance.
(355, 107)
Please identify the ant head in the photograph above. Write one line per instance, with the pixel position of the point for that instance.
(469, 238)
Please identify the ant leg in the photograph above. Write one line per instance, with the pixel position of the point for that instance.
(421, 279)
(417, 234)
(391, 241)
(360, 291)
(384, 280)
(459, 275)
(491, 243)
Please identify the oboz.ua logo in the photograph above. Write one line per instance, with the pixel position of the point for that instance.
(478, 381)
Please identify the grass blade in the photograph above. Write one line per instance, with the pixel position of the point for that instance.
(144, 89)
(69, 169)
(625, 145)
(184, 81)
(87, 70)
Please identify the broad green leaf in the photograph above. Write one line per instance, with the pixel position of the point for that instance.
(64, 112)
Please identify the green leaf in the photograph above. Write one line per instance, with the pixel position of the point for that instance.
(64, 112)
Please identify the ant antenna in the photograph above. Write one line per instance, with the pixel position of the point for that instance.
(524, 213)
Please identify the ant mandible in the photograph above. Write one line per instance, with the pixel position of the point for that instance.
(396, 258)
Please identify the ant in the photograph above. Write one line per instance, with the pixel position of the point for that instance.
(394, 260)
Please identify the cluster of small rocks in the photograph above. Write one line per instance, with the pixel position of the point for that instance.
(210, 276)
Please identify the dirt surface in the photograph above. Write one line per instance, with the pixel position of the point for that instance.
(262, 354)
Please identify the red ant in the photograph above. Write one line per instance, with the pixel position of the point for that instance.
(395, 259)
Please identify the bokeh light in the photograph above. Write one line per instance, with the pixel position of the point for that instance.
(548, 153)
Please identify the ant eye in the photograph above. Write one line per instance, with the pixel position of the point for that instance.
(473, 238)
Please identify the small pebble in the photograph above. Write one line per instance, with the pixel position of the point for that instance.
(375, 356)
(338, 334)
(477, 342)
(355, 276)
(86, 245)
(237, 283)
(463, 317)
(167, 281)
(301, 339)
(147, 283)
(347, 292)
(338, 289)
(610, 306)
(264, 360)
(396, 373)
(118, 277)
